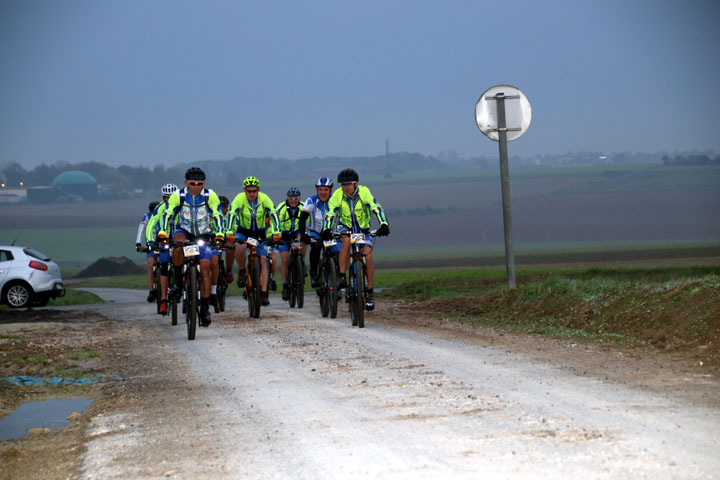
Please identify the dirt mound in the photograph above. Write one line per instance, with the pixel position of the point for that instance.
(111, 267)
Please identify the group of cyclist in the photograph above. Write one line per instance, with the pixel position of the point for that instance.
(197, 212)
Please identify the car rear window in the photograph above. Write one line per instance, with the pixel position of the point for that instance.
(34, 253)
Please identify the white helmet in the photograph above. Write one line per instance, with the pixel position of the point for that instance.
(169, 189)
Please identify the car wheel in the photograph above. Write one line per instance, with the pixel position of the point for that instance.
(18, 295)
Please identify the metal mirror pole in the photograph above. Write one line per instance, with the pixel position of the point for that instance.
(505, 185)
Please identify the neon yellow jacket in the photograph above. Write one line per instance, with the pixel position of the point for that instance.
(282, 221)
(153, 223)
(353, 211)
(247, 218)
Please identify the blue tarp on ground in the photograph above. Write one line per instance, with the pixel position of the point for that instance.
(25, 380)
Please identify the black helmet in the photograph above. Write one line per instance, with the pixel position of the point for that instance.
(348, 175)
(224, 200)
(194, 173)
(151, 207)
(293, 192)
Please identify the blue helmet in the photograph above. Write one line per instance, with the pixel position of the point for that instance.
(324, 182)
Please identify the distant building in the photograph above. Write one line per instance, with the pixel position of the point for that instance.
(75, 185)
(12, 195)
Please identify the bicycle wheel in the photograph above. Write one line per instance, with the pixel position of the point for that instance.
(220, 293)
(156, 280)
(172, 299)
(173, 309)
(357, 301)
(332, 291)
(192, 303)
(254, 288)
(299, 284)
(248, 292)
(292, 278)
(323, 291)
(360, 297)
(221, 298)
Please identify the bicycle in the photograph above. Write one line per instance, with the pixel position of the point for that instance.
(222, 285)
(253, 274)
(156, 273)
(296, 274)
(327, 275)
(357, 285)
(191, 284)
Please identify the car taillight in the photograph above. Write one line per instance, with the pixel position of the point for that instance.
(38, 265)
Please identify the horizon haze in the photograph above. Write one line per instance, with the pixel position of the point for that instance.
(148, 83)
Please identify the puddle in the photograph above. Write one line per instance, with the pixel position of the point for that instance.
(50, 414)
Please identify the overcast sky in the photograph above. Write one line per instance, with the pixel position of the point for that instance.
(159, 81)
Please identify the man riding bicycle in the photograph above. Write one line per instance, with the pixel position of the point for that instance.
(199, 216)
(153, 228)
(350, 207)
(286, 225)
(314, 210)
(250, 213)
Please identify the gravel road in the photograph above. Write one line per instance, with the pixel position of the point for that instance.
(292, 395)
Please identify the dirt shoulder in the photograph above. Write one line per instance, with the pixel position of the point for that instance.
(45, 342)
(68, 344)
(676, 372)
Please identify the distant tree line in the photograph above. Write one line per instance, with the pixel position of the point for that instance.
(220, 172)
(698, 159)
(120, 181)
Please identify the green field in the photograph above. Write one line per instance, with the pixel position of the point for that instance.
(77, 247)
(452, 218)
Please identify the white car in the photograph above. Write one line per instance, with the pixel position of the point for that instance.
(28, 277)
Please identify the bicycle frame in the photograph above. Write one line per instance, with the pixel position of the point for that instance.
(356, 291)
(253, 277)
(221, 288)
(296, 278)
(327, 272)
(191, 283)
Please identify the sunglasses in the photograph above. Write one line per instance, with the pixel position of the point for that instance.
(195, 184)
(254, 190)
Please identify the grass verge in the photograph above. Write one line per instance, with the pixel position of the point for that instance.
(670, 308)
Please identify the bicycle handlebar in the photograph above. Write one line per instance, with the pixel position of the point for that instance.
(347, 233)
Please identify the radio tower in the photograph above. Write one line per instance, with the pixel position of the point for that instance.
(387, 159)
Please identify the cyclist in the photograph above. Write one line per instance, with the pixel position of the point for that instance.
(286, 226)
(151, 237)
(314, 209)
(350, 208)
(229, 255)
(250, 213)
(217, 253)
(141, 233)
(198, 216)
